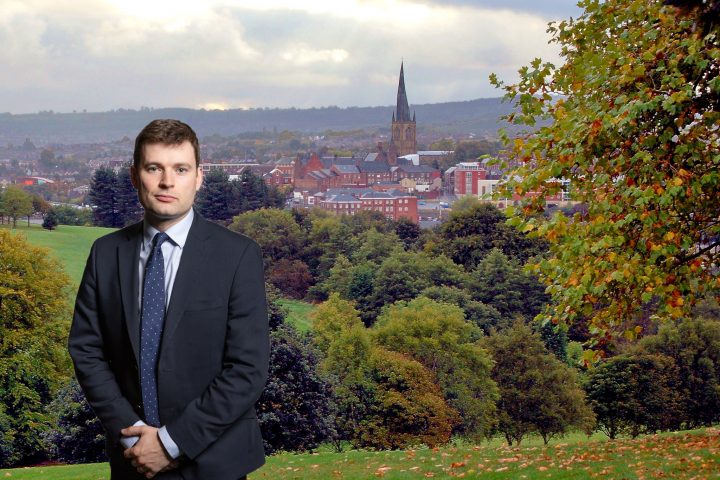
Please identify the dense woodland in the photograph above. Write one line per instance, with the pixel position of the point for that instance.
(418, 336)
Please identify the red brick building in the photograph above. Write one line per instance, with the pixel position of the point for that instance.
(350, 176)
(467, 177)
(394, 204)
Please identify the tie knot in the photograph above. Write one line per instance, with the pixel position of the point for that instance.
(159, 239)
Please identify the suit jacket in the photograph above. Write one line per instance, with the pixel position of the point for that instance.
(213, 358)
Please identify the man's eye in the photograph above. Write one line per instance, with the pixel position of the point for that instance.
(152, 169)
(182, 170)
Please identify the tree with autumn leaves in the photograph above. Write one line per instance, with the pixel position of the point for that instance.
(387, 394)
(33, 332)
(632, 120)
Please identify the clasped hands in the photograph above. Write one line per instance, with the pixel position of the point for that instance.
(148, 455)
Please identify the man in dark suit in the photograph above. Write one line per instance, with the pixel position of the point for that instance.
(170, 332)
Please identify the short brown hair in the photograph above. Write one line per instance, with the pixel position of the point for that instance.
(167, 132)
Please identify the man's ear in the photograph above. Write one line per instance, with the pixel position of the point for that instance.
(199, 180)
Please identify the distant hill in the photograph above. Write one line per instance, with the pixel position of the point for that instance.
(473, 116)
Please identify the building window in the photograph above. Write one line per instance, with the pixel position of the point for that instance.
(468, 182)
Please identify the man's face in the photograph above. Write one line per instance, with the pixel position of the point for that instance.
(166, 181)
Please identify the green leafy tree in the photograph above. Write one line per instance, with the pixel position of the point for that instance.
(113, 198)
(407, 231)
(294, 410)
(694, 345)
(275, 230)
(129, 209)
(338, 279)
(384, 399)
(17, 203)
(40, 205)
(77, 435)
(367, 219)
(538, 393)
(633, 394)
(484, 316)
(504, 285)
(471, 233)
(630, 119)
(33, 334)
(403, 275)
(277, 313)
(437, 336)
(375, 246)
(555, 339)
(50, 222)
(408, 408)
(331, 318)
(215, 199)
(67, 215)
(103, 198)
(327, 239)
(250, 192)
(346, 366)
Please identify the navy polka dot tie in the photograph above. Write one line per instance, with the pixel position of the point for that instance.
(151, 325)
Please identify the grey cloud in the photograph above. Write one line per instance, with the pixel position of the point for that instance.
(236, 57)
(547, 9)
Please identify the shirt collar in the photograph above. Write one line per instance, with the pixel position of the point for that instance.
(178, 233)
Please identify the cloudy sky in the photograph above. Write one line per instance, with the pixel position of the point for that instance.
(98, 55)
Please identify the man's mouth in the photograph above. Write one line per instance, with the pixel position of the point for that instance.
(165, 198)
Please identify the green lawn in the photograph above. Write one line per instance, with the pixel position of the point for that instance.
(299, 313)
(683, 455)
(70, 245)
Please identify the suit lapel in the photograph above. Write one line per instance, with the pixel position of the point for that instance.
(191, 263)
(128, 254)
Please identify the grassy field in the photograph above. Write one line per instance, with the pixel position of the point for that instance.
(70, 245)
(683, 455)
(299, 313)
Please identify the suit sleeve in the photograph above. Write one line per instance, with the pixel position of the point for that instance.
(92, 368)
(235, 390)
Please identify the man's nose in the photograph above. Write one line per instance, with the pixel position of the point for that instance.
(167, 178)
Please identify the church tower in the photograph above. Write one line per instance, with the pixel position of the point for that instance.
(403, 128)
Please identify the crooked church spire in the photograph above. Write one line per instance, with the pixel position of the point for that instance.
(402, 111)
(403, 140)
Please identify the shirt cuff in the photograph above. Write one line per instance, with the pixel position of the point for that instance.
(170, 447)
(128, 442)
